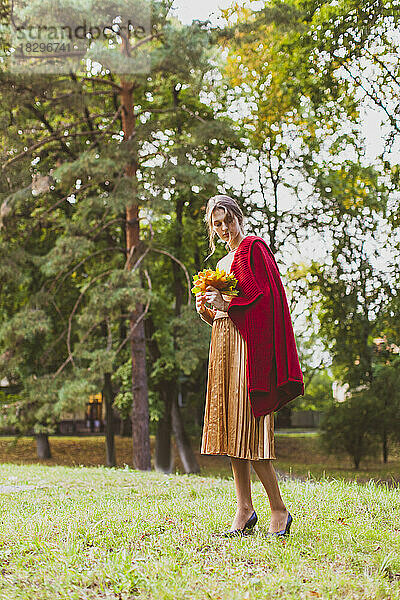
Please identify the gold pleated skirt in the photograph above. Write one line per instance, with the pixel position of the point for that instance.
(229, 424)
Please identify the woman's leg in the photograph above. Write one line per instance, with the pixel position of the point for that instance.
(241, 474)
(266, 474)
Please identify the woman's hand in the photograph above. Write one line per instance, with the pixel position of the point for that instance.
(214, 297)
(201, 302)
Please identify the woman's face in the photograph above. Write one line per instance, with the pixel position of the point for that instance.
(227, 231)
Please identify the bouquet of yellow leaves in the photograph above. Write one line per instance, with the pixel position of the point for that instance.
(224, 282)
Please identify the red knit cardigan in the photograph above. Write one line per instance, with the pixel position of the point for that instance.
(261, 314)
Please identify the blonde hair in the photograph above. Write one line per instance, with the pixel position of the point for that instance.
(231, 209)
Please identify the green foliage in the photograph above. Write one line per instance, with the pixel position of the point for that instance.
(65, 246)
(191, 340)
(73, 394)
(67, 296)
(35, 408)
(8, 406)
(318, 392)
(349, 427)
(67, 250)
(28, 325)
(386, 394)
(122, 378)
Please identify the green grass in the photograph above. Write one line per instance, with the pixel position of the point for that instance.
(97, 533)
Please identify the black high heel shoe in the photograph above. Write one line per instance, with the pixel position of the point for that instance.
(247, 529)
(284, 531)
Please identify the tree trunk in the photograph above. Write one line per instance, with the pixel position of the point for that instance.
(126, 427)
(164, 459)
(385, 446)
(109, 398)
(42, 445)
(140, 407)
(386, 419)
(186, 453)
(357, 454)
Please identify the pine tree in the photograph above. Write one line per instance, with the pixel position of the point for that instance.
(98, 183)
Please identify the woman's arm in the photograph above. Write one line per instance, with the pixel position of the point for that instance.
(208, 315)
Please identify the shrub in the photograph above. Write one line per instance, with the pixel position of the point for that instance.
(349, 427)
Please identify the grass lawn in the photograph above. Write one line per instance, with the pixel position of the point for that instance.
(97, 533)
(298, 454)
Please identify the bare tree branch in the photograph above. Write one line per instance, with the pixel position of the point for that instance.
(372, 96)
(192, 114)
(50, 128)
(183, 268)
(382, 64)
(70, 356)
(75, 93)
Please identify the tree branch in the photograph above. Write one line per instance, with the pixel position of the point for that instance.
(141, 316)
(192, 114)
(100, 80)
(382, 64)
(83, 187)
(52, 139)
(105, 130)
(373, 97)
(79, 265)
(181, 265)
(50, 128)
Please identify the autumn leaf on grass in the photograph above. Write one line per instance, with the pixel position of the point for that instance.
(224, 282)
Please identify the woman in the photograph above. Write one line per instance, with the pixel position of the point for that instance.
(253, 364)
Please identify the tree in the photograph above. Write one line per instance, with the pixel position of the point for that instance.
(386, 394)
(105, 182)
(290, 117)
(318, 394)
(354, 296)
(356, 42)
(349, 428)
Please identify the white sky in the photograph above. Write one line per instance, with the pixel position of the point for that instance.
(187, 10)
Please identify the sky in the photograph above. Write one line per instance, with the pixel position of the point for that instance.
(187, 10)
